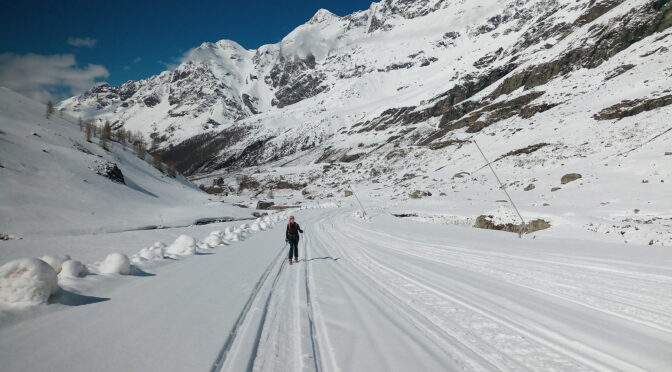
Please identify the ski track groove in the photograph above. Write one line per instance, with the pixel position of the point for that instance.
(229, 343)
(549, 354)
(257, 339)
(472, 362)
(482, 321)
(569, 287)
(308, 277)
(466, 323)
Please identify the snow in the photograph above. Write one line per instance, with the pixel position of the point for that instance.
(115, 263)
(72, 269)
(182, 246)
(54, 262)
(372, 291)
(386, 294)
(26, 281)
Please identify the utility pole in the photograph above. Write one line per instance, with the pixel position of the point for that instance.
(523, 226)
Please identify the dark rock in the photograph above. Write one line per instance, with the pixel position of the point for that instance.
(151, 101)
(460, 174)
(525, 150)
(404, 215)
(349, 158)
(554, 189)
(529, 187)
(633, 107)
(618, 71)
(570, 177)
(264, 205)
(419, 194)
(109, 170)
(249, 102)
(486, 222)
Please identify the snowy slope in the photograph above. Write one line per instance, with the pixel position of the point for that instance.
(49, 186)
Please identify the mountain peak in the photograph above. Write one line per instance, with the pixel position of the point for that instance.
(322, 15)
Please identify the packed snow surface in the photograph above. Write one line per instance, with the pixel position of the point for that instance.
(376, 295)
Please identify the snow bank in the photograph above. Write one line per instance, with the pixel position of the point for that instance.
(115, 263)
(214, 240)
(155, 252)
(72, 269)
(27, 281)
(54, 261)
(182, 246)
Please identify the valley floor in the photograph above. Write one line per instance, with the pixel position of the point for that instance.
(378, 294)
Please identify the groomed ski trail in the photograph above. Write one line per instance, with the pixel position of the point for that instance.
(389, 295)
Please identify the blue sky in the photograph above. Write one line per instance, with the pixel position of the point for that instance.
(122, 40)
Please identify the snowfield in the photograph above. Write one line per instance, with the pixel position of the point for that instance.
(387, 294)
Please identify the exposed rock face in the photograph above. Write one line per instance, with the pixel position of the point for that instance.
(633, 107)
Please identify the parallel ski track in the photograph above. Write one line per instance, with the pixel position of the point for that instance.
(616, 300)
(420, 296)
(461, 356)
(226, 347)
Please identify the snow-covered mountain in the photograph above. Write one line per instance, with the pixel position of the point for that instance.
(391, 99)
(400, 66)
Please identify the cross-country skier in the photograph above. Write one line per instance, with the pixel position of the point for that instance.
(292, 237)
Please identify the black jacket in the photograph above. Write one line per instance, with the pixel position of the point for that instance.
(293, 231)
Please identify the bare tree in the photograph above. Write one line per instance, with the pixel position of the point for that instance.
(81, 124)
(171, 169)
(50, 109)
(89, 131)
(158, 161)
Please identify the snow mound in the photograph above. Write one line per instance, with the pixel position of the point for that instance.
(256, 227)
(115, 263)
(233, 237)
(182, 246)
(27, 281)
(54, 261)
(155, 252)
(72, 269)
(214, 240)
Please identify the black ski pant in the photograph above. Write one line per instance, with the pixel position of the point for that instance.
(294, 248)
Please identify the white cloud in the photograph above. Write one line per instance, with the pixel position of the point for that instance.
(50, 77)
(137, 59)
(87, 42)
